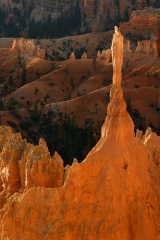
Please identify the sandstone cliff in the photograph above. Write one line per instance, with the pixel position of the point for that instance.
(148, 18)
(112, 194)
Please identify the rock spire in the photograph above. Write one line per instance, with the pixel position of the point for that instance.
(117, 56)
(117, 105)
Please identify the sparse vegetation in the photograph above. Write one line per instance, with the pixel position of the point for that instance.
(12, 104)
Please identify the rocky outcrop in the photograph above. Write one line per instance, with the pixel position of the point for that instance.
(23, 165)
(27, 48)
(128, 53)
(156, 46)
(143, 49)
(146, 23)
(72, 56)
(40, 168)
(149, 18)
(84, 55)
(105, 55)
(99, 55)
(152, 143)
(112, 194)
(9, 170)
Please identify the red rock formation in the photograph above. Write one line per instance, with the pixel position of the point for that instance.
(41, 53)
(143, 49)
(99, 55)
(127, 51)
(156, 46)
(72, 56)
(23, 166)
(145, 19)
(27, 48)
(110, 195)
(38, 169)
(107, 55)
(117, 57)
(84, 55)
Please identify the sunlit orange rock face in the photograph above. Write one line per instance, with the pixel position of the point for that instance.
(147, 23)
(147, 18)
(27, 48)
(23, 165)
(113, 194)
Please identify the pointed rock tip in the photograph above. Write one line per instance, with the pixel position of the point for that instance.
(57, 157)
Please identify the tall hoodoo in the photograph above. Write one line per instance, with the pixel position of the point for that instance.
(117, 105)
(117, 56)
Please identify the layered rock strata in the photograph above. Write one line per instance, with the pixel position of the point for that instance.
(112, 194)
(145, 19)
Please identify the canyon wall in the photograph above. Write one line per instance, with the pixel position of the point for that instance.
(87, 15)
(148, 18)
(113, 194)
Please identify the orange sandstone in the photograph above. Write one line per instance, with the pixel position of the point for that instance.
(112, 194)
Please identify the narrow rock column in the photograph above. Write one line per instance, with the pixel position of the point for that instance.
(118, 126)
(117, 56)
(117, 105)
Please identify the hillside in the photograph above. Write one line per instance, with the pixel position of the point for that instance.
(56, 99)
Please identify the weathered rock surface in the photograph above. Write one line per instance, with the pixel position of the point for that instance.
(27, 48)
(23, 165)
(146, 23)
(144, 49)
(96, 15)
(148, 18)
(84, 55)
(72, 56)
(128, 53)
(112, 194)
